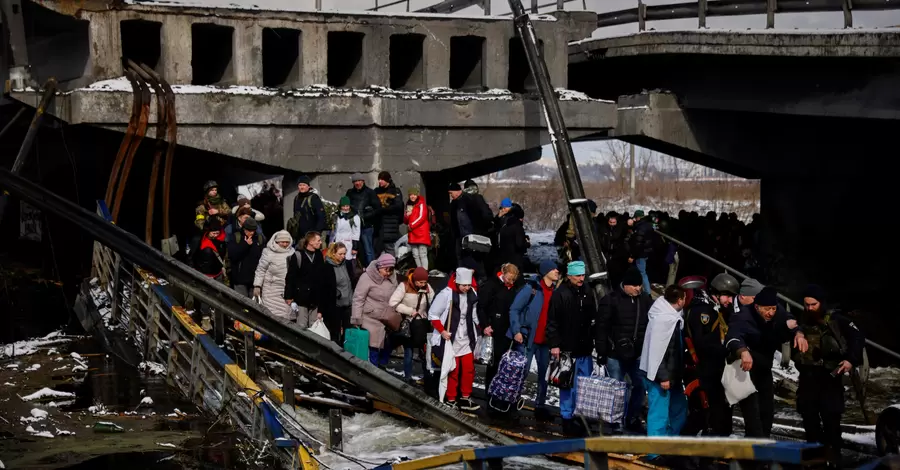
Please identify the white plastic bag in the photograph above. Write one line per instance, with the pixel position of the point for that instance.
(737, 383)
(484, 349)
(320, 329)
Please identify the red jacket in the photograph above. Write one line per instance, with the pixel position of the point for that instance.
(417, 221)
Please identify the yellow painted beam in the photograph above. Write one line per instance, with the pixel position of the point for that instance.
(437, 460)
(725, 448)
(185, 320)
(242, 380)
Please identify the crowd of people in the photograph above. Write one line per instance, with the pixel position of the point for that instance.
(673, 350)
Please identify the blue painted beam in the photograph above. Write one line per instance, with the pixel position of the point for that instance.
(787, 452)
(538, 448)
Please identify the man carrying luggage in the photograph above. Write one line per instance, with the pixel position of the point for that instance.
(571, 318)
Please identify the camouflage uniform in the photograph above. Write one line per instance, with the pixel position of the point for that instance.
(201, 213)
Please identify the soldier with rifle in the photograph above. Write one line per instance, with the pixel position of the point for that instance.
(835, 348)
(707, 324)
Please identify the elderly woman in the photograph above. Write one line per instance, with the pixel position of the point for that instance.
(412, 300)
(370, 305)
(271, 272)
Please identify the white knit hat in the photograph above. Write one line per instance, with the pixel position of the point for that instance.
(464, 276)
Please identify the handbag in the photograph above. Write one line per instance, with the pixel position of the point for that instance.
(600, 398)
(389, 317)
(561, 372)
(625, 347)
(420, 327)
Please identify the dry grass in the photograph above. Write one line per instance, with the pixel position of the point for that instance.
(545, 206)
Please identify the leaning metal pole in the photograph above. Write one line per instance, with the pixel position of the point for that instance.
(25, 149)
(781, 296)
(562, 148)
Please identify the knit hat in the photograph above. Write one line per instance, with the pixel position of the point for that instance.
(413, 191)
(420, 274)
(470, 183)
(506, 202)
(242, 200)
(303, 179)
(282, 236)
(454, 187)
(250, 224)
(638, 213)
(213, 224)
(386, 260)
(243, 211)
(385, 176)
(357, 177)
(344, 201)
(547, 266)
(767, 297)
(575, 268)
(464, 276)
(751, 287)
(632, 277)
(815, 291)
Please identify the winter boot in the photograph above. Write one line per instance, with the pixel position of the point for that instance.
(465, 404)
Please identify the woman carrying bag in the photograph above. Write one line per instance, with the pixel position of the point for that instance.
(412, 299)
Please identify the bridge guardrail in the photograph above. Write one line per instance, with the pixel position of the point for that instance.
(706, 8)
(145, 307)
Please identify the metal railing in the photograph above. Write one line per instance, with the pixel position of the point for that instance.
(597, 449)
(707, 8)
(145, 307)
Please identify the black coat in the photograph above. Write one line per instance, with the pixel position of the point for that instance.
(244, 258)
(704, 328)
(304, 278)
(328, 290)
(748, 331)
(494, 300)
(512, 243)
(389, 213)
(642, 239)
(571, 320)
(672, 366)
(469, 214)
(209, 256)
(366, 204)
(618, 314)
(310, 214)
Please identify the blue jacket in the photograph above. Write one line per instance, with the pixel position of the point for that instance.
(524, 316)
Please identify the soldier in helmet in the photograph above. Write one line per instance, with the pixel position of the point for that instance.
(707, 324)
(213, 205)
(835, 348)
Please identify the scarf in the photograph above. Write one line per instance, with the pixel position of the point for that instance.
(212, 201)
(349, 215)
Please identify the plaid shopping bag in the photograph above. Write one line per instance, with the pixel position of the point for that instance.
(600, 398)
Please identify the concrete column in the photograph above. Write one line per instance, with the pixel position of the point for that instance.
(105, 46)
(556, 54)
(176, 50)
(496, 58)
(436, 57)
(247, 61)
(377, 57)
(314, 55)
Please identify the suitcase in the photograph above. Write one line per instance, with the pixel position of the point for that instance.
(356, 342)
(600, 398)
(476, 243)
(507, 384)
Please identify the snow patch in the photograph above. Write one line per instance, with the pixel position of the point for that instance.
(31, 346)
(62, 432)
(33, 368)
(153, 368)
(166, 444)
(47, 393)
(147, 401)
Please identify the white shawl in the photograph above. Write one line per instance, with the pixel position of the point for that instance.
(663, 318)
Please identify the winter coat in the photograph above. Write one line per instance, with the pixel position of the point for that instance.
(446, 307)
(417, 220)
(371, 296)
(701, 316)
(749, 331)
(232, 227)
(347, 232)
(330, 296)
(642, 239)
(271, 275)
(210, 256)
(405, 302)
(618, 312)
(525, 312)
(469, 214)
(304, 278)
(494, 300)
(201, 213)
(390, 213)
(309, 213)
(512, 243)
(244, 257)
(365, 203)
(571, 318)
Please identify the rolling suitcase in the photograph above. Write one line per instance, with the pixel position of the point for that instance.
(356, 342)
(507, 384)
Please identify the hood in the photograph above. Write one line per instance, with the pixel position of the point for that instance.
(278, 249)
(451, 283)
(374, 275)
(331, 262)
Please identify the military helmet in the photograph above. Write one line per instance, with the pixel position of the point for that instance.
(725, 284)
(209, 185)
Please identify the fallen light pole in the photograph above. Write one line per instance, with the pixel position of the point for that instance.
(562, 148)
